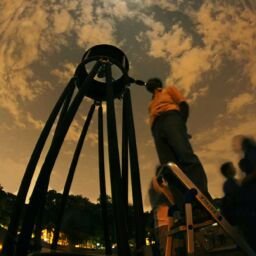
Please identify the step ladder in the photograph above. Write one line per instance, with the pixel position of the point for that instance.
(215, 216)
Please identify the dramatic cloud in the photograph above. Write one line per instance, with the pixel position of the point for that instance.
(239, 102)
(164, 5)
(229, 31)
(62, 22)
(32, 32)
(64, 73)
(21, 32)
(188, 69)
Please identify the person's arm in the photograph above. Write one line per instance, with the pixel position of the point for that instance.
(184, 110)
(180, 100)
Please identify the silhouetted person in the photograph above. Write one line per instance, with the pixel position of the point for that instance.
(241, 208)
(245, 146)
(231, 185)
(230, 188)
(240, 205)
(169, 111)
(246, 202)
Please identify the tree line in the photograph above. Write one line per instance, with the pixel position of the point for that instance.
(82, 219)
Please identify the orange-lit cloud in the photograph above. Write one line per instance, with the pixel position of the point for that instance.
(239, 102)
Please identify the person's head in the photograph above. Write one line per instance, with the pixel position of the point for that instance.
(153, 84)
(247, 143)
(241, 143)
(246, 166)
(228, 170)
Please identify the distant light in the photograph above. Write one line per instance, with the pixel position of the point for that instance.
(3, 226)
(149, 241)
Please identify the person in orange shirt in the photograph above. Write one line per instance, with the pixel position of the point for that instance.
(169, 111)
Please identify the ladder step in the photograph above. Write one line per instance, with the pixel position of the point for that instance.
(183, 228)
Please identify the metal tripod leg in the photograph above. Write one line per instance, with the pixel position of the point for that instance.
(209, 207)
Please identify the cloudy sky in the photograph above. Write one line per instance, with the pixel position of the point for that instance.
(206, 48)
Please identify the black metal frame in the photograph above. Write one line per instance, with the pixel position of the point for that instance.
(64, 113)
